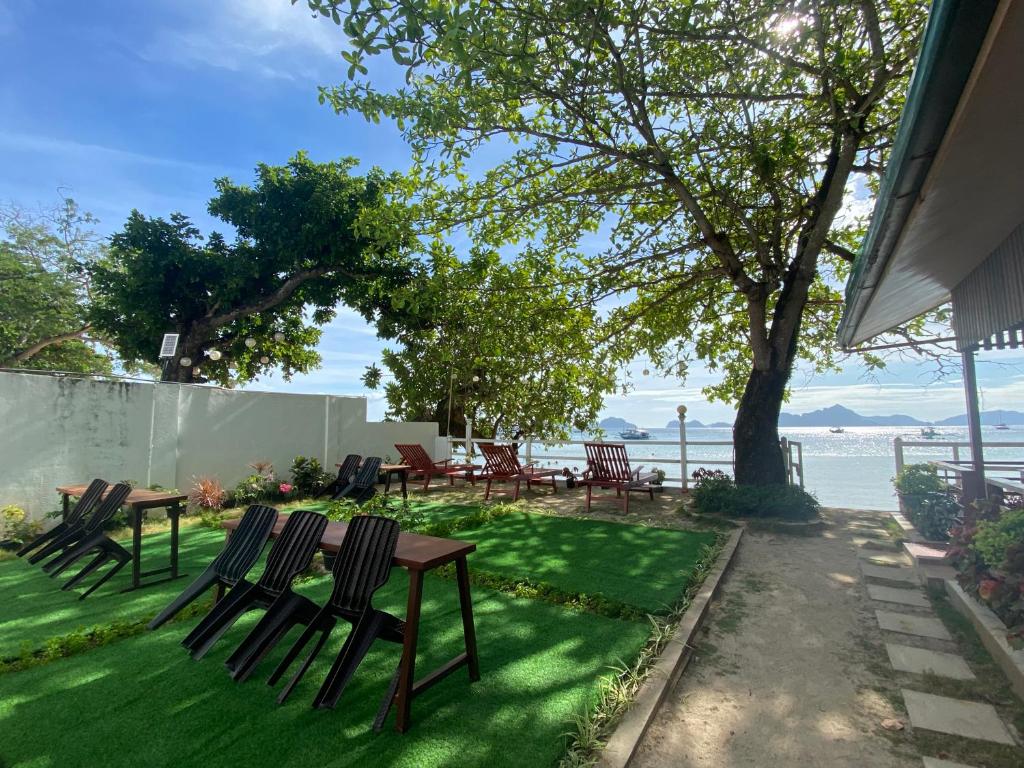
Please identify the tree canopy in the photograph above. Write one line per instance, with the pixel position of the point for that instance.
(45, 289)
(502, 343)
(306, 236)
(707, 145)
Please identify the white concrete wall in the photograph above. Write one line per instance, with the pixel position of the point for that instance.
(57, 430)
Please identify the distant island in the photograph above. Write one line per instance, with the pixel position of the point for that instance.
(840, 416)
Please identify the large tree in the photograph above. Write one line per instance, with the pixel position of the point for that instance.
(307, 236)
(711, 142)
(499, 342)
(45, 289)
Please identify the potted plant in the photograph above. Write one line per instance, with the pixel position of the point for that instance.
(658, 480)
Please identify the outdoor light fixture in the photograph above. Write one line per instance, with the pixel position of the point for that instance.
(264, 359)
(196, 371)
(279, 337)
(646, 372)
(214, 354)
(185, 362)
(250, 342)
(476, 379)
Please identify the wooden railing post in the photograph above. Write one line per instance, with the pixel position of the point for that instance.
(469, 439)
(787, 460)
(684, 475)
(897, 446)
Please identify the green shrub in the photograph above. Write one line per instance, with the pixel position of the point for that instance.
(935, 515)
(308, 477)
(719, 495)
(915, 483)
(15, 525)
(254, 488)
(994, 537)
(409, 517)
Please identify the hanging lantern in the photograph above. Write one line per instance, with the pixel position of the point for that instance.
(646, 372)
(476, 379)
(279, 337)
(264, 359)
(214, 354)
(250, 342)
(196, 371)
(185, 362)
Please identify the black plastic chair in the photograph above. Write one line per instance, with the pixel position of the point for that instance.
(83, 506)
(349, 467)
(70, 543)
(364, 484)
(363, 566)
(289, 556)
(240, 552)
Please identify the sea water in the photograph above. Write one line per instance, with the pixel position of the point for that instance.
(849, 469)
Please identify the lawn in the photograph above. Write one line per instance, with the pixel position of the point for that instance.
(142, 701)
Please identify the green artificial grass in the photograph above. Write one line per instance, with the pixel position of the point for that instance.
(142, 701)
(648, 568)
(33, 608)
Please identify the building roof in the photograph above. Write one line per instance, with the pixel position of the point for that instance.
(954, 186)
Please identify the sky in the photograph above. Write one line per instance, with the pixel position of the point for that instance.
(127, 105)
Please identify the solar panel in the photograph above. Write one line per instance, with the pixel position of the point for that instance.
(169, 345)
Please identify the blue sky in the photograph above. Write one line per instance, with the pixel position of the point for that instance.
(129, 105)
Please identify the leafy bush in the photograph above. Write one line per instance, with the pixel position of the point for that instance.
(716, 494)
(915, 483)
(994, 538)
(15, 525)
(254, 488)
(934, 515)
(308, 477)
(207, 494)
(409, 517)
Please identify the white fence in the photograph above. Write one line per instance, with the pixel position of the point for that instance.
(63, 429)
(531, 449)
(956, 451)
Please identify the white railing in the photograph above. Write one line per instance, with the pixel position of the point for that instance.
(951, 447)
(792, 453)
(957, 459)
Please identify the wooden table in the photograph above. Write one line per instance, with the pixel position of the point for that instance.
(138, 501)
(402, 470)
(417, 554)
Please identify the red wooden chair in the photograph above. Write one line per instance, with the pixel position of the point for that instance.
(503, 465)
(608, 467)
(420, 464)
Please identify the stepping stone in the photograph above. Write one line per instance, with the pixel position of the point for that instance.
(880, 557)
(959, 718)
(898, 595)
(922, 626)
(889, 573)
(930, 554)
(934, 762)
(921, 661)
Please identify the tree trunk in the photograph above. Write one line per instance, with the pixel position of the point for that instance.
(173, 370)
(756, 431)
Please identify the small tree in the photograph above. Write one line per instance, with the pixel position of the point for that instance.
(503, 343)
(45, 289)
(308, 236)
(714, 140)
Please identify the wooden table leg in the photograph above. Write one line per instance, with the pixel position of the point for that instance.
(407, 674)
(387, 482)
(174, 511)
(405, 487)
(468, 628)
(65, 507)
(136, 547)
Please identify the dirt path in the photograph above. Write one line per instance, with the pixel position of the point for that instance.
(788, 671)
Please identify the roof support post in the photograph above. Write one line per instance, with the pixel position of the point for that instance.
(974, 482)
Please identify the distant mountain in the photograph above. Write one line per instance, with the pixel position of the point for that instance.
(840, 416)
(614, 422)
(720, 425)
(987, 417)
(691, 424)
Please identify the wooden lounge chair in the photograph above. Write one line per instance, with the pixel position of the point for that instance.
(421, 465)
(503, 465)
(608, 467)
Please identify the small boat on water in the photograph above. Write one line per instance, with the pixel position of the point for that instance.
(635, 434)
(836, 430)
(929, 433)
(1002, 427)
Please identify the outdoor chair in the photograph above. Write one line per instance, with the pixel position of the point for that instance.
(420, 464)
(290, 554)
(608, 467)
(363, 485)
(240, 552)
(362, 567)
(346, 472)
(503, 465)
(83, 506)
(87, 527)
(94, 541)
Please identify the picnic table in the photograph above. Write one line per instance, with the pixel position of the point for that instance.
(417, 554)
(138, 501)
